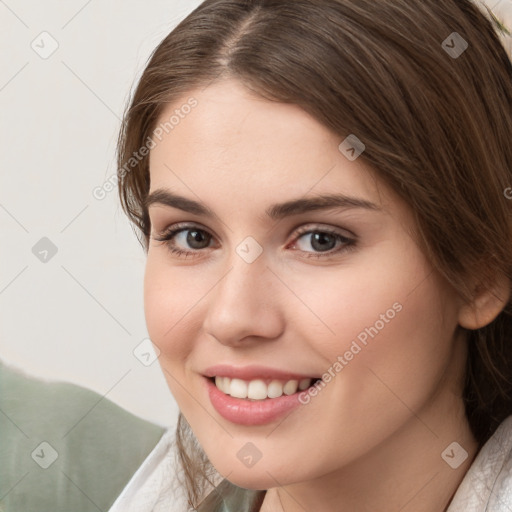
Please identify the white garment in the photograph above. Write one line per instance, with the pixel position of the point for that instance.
(486, 487)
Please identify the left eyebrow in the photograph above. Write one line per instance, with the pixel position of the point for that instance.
(275, 212)
(323, 202)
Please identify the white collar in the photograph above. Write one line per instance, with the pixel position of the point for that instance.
(487, 485)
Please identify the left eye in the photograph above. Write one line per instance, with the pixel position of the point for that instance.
(321, 241)
(324, 241)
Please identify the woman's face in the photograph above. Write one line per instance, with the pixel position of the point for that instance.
(270, 278)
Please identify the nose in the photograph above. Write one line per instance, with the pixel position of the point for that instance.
(244, 305)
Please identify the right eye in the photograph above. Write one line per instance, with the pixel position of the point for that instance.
(188, 236)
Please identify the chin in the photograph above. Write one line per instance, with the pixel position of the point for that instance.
(253, 482)
(259, 477)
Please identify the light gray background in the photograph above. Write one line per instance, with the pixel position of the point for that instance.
(78, 316)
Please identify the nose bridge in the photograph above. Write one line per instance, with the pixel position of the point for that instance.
(246, 265)
(242, 282)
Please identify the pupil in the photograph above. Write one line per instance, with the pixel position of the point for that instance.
(322, 238)
(195, 237)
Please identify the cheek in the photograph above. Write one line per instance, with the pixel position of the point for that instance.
(384, 329)
(367, 297)
(168, 303)
(168, 299)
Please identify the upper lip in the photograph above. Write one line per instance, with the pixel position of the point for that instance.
(253, 372)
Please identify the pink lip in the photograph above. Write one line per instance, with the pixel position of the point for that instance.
(253, 372)
(246, 412)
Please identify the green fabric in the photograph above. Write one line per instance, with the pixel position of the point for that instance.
(99, 446)
(227, 497)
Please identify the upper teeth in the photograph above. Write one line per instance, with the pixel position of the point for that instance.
(258, 389)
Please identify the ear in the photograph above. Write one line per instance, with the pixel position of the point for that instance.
(487, 304)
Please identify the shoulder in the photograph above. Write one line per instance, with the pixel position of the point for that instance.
(68, 441)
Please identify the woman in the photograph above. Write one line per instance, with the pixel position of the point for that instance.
(322, 189)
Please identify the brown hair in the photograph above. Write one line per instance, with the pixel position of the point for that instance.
(437, 129)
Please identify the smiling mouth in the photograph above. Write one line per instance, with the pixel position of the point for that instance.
(261, 389)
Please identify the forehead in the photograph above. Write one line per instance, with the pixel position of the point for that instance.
(235, 145)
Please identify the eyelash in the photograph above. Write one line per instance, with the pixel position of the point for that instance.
(167, 236)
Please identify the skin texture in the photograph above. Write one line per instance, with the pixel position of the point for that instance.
(372, 439)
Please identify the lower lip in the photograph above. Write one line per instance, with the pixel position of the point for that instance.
(246, 412)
